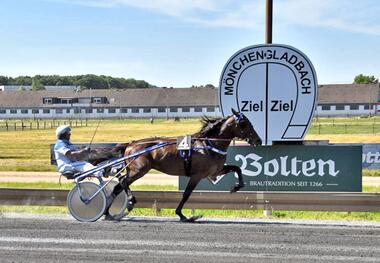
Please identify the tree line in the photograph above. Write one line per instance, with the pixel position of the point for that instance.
(84, 81)
(365, 79)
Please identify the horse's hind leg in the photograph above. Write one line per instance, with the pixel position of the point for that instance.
(134, 172)
(138, 169)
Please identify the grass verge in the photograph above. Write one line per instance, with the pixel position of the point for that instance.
(341, 216)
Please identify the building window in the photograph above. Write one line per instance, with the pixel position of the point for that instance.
(135, 110)
(58, 111)
(88, 110)
(35, 111)
(100, 110)
(124, 110)
(210, 109)
(198, 109)
(24, 111)
(185, 109)
(161, 109)
(367, 107)
(326, 107)
(48, 101)
(112, 110)
(46, 111)
(68, 111)
(66, 101)
(13, 111)
(354, 107)
(76, 110)
(173, 109)
(98, 100)
(3, 111)
(339, 107)
(147, 110)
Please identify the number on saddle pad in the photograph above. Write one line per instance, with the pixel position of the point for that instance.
(184, 142)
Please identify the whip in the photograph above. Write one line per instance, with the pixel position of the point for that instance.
(89, 147)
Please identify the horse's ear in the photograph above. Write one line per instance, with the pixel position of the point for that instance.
(234, 111)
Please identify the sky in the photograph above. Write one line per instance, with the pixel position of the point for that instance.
(180, 43)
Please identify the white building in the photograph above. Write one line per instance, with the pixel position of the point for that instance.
(333, 100)
(348, 100)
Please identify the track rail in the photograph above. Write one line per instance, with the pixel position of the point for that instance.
(318, 201)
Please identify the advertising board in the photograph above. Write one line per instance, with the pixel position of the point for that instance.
(371, 156)
(291, 168)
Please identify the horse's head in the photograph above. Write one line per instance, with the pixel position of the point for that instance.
(243, 129)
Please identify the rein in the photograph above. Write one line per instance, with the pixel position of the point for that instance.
(175, 138)
(210, 147)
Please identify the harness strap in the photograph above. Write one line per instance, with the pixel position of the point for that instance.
(186, 155)
(207, 147)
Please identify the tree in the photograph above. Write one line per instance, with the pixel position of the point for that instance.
(4, 80)
(210, 86)
(362, 79)
(88, 81)
(37, 85)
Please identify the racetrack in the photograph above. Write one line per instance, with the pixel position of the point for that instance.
(28, 238)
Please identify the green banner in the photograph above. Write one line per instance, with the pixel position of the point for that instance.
(291, 168)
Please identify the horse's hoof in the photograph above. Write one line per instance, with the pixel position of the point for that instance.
(131, 204)
(191, 219)
(108, 217)
(117, 217)
(236, 188)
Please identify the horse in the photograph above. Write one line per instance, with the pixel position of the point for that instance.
(208, 156)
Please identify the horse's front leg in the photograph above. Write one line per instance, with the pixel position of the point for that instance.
(236, 169)
(193, 182)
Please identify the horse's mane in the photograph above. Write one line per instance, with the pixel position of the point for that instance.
(210, 126)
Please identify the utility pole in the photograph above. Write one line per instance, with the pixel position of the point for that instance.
(269, 20)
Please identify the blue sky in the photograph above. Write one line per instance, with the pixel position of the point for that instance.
(179, 43)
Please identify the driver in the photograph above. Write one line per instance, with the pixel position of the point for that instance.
(69, 157)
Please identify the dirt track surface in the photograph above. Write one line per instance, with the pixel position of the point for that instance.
(62, 239)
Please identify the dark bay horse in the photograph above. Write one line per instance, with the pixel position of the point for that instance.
(207, 159)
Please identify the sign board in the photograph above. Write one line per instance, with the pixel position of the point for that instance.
(371, 156)
(275, 86)
(184, 142)
(291, 168)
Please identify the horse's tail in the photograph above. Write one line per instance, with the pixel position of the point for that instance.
(120, 148)
(98, 155)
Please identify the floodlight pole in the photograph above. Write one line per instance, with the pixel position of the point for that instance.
(269, 20)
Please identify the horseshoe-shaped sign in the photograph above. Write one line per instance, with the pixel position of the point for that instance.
(275, 86)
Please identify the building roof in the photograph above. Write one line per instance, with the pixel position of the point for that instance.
(29, 87)
(163, 97)
(348, 93)
(152, 97)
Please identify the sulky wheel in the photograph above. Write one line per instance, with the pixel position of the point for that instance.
(83, 209)
(119, 204)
